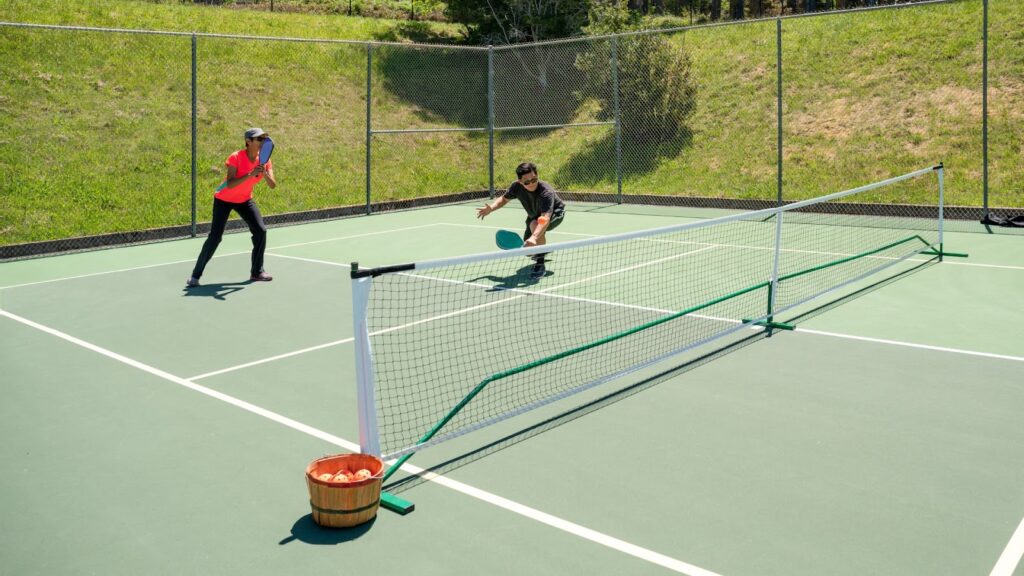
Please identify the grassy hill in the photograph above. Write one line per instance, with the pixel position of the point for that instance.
(95, 129)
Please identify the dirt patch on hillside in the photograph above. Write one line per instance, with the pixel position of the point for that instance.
(841, 118)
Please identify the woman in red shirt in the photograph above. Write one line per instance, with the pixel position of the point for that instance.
(243, 175)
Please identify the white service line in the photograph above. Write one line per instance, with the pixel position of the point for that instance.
(363, 235)
(482, 495)
(548, 292)
(486, 227)
(310, 260)
(271, 359)
(1010, 558)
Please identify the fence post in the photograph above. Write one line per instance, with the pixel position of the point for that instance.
(490, 121)
(984, 108)
(369, 126)
(618, 123)
(194, 92)
(778, 103)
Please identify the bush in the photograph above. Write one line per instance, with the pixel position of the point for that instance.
(656, 91)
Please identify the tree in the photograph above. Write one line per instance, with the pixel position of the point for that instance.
(514, 21)
(736, 9)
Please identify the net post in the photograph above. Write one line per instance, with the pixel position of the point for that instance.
(369, 435)
(940, 172)
(773, 285)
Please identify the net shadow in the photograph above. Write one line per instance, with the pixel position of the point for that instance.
(411, 481)
(819, 310)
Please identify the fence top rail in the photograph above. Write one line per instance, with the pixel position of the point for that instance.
(239, 36)
(907, 4)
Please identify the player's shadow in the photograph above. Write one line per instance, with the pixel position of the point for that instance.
(309, 532)
(520, 279)
(219, 290)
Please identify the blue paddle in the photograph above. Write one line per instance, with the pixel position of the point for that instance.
(266, 149)
(508, 240)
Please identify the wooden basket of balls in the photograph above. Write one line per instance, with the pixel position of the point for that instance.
(344, 490)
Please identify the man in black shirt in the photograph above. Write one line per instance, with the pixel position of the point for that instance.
(544, 209)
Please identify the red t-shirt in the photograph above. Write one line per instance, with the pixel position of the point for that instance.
(241, 192)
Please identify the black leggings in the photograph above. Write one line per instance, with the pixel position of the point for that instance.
(221, 211)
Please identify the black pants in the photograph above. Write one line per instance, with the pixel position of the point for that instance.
(221, 211)
(556, 218)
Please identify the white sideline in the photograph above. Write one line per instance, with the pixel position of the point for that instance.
(482, 495)
(557, 232)
(1010, 558)
(119, 270)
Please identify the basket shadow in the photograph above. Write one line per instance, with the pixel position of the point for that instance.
(307, 531)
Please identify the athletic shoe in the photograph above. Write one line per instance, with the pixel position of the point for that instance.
(261, 277)
(538, 270)
(191, 283)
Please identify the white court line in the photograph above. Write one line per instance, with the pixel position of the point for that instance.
(112, 271)
(523, 294)
(487, 227)
(945, 261)
(546, 292)
(119, 270)
(482, 495)
(272, 359)
(1000, 266)
(347, 340)
(1010, 558)
(912, 345)
(311, 260)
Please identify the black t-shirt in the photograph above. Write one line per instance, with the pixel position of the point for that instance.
(545, 199)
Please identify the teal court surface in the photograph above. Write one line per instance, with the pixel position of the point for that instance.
(152, 430)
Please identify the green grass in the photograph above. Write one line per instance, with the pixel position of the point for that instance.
(398, 9)
(95, 128)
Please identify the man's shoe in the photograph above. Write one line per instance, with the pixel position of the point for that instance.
(261, 277)
(191, 283)
(538, 271)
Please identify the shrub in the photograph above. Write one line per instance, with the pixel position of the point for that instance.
(656, 90)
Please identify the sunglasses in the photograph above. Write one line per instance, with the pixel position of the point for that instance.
(530, 181)
(260, 138)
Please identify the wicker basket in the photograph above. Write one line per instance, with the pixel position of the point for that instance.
(338, 505)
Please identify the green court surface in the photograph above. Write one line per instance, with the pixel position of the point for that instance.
(153, 430)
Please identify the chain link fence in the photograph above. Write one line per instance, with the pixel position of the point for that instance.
(117, 136)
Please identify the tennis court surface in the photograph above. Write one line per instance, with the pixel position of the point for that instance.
(150, 429)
